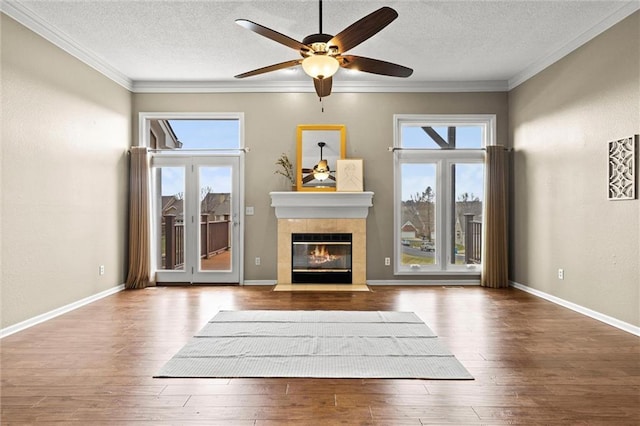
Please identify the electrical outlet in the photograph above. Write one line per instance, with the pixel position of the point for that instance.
(561, 274)
(257, 261)
(387, 261)
(101, 270)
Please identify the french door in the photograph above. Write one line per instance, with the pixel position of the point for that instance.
(196, 219)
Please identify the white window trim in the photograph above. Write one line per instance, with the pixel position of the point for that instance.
(442, 159)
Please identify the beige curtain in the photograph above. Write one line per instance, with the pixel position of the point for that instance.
(495, 249)
(139, 242)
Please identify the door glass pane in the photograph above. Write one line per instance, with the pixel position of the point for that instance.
(468, 187)
(172, 241)
(418, 224)
(216, 218)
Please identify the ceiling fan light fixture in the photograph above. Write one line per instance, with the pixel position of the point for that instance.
(323, 54)
(321, 170)
(320, 66)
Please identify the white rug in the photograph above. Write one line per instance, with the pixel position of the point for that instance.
(324, 344)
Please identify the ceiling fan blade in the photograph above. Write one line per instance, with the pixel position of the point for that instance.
(332, 177)
(323, 86)
(374, 66)
(271, 34)
(274, 67)
(361, 30)
(307, 170)
(307, 179)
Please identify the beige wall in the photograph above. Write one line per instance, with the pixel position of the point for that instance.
(270, 129)
(560, 122)
(65, 129)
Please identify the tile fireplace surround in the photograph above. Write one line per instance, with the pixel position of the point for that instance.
(322, 212)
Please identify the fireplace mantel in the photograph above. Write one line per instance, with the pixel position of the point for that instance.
(321, 205)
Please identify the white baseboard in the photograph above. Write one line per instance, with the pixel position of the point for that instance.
(59, 311)
(259, 282)
(439, 283)
(630, 328)
(625, 326)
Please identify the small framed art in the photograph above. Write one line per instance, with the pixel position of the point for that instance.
(349, 175)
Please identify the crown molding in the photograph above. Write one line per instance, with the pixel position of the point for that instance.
(246, 86)
(27, 17)
(541, 64)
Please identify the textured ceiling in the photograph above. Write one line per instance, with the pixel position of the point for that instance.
(149, 42)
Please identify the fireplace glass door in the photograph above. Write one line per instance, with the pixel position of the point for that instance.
(321, 258)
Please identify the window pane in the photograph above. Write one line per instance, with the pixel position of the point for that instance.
(195, 134)
(171, 218)
(215, 218)
(418, 230)
(441, 137)
(468, 189)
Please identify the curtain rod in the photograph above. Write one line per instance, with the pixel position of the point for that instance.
(245, 150)
(396, 148)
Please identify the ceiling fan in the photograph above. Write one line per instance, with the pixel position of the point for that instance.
(323, 54)
(320, 171)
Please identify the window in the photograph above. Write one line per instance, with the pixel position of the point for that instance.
(173, 135)
(439, 192)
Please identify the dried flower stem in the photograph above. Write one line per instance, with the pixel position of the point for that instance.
(286, 168)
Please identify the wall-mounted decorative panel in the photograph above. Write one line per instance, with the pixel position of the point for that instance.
(623, 168)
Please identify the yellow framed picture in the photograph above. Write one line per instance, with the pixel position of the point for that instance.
(319, 148)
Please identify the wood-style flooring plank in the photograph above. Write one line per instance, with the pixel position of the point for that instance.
(534, 363)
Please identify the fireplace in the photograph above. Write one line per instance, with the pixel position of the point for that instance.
(309, 212)
(322, 258)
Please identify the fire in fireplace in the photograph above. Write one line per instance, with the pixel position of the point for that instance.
(321, 258)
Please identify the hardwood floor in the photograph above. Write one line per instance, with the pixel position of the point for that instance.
(533, 363)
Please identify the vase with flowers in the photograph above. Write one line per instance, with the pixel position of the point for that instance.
(286, 169)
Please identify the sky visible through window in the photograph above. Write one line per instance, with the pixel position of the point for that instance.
(207, 134)
(172, 181)
(467, 137)
(202, 134)
(417, 177)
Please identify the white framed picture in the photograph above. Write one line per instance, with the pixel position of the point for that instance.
(349, 175)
